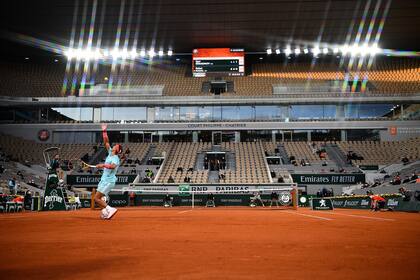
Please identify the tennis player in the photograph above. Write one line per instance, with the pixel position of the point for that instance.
(378, 202)
(109, 177)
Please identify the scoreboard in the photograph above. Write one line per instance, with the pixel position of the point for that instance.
(218, 62)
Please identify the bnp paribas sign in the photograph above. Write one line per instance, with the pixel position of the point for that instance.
(329, 179)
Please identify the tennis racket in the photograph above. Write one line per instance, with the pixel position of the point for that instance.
(84, 165)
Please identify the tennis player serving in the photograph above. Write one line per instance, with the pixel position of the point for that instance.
(108, 178)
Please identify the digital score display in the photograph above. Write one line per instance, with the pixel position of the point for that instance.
(218, 62)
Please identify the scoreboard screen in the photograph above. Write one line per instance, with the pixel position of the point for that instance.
(218, 61)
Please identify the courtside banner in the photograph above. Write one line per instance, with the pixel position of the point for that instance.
(185, 189)
(325, 179)
(90, 180)
(322, 204)
(355, 203)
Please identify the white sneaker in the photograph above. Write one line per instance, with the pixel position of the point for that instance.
(104, 214)
(111, 213)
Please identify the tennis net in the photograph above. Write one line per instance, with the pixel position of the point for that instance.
(281, 196)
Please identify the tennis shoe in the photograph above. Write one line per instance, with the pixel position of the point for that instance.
(111, 213)
(104, 214)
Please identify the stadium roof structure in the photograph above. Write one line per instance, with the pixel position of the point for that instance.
(183, 25)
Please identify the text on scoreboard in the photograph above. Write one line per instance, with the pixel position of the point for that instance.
(218, 61)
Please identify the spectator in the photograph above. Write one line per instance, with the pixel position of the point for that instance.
(19, 173)
(405, 160)
(396, 180)
(171, 180)
(406, 194)
(149, 173)
(1, 169)
(127, 151)
(137, 161)
(414, 177)
(12, 185)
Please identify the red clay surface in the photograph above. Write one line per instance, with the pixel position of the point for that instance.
(220, 243)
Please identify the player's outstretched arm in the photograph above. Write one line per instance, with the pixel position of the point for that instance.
(106, 165)
(105, 137)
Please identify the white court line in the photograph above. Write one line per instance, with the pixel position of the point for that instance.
(310, 216)
(185, 211)
(361, 216)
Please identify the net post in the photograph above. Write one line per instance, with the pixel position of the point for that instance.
(92, 199)
(192, 199)
(295, 197)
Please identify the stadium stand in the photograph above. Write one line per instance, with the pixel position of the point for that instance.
(250, 163)
(382, 153)
(180, 163)
(42, 80)
(305, 151)
(30, 152)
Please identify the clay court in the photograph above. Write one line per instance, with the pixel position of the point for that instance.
(221, 243)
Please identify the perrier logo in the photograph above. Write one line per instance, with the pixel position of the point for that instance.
(184, 190)
(52, 198)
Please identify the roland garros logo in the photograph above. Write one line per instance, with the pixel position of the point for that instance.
(285, 198)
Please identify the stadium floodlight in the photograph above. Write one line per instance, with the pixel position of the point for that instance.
(151, 53)
(170, 52)
(124, 53)
(354, 50)
(364, 49)
(115, 53)
(96, 54)
(160, 53)
(374, 49)
(287, 51)
(278, 51)
(315, 51)
(269, 51)
(325, 50)
(142, 53)
(305, 51)
(133, 54)
(69, 54)
(335, 50)
(345, 49)
(297, 51)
